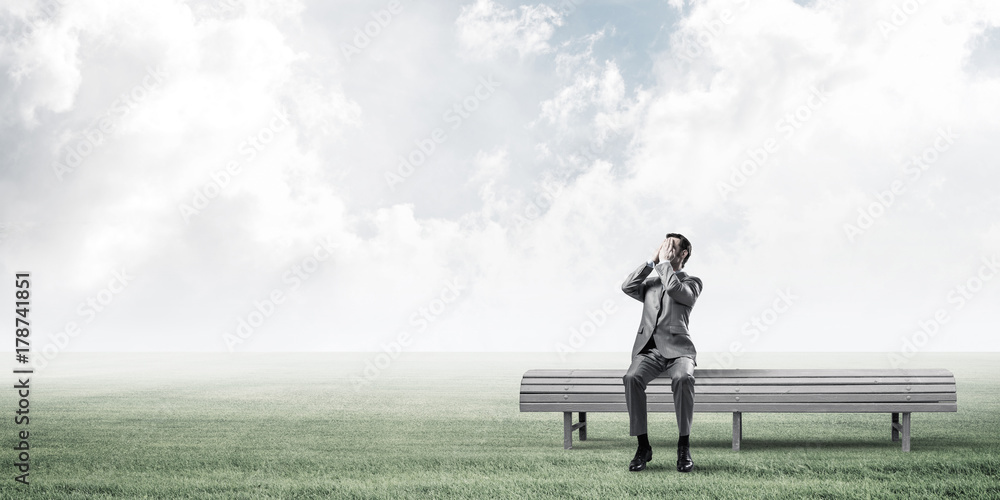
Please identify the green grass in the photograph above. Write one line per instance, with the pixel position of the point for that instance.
(448, 426)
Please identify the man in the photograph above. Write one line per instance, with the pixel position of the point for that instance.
(663, 344)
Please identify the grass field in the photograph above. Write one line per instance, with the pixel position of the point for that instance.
(448, 426)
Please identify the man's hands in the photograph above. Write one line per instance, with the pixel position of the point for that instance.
(665, 252)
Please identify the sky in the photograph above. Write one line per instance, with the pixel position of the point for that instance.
(480, 175)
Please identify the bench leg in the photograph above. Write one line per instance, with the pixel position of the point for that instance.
(737, 429)
(567, 430)
(906, 431)
(895, 427)
(569, 427)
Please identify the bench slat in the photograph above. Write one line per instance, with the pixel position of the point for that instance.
(746, 398)
(754, 389)
(754, 407)
(750, 381)
(741, 373)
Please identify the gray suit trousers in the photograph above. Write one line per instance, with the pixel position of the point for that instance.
(647, 366)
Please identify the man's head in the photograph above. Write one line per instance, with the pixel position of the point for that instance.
(682, 248)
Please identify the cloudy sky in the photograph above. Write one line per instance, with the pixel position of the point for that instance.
(480, 175)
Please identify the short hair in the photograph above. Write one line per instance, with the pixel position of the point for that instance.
(685, 245)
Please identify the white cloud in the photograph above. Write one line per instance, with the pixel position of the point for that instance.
(546, 195)
(224, 82)
(887, 100)
(485, 29)
(489, 166)
(42, 68)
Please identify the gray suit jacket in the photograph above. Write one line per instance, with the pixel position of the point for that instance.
(667, 298)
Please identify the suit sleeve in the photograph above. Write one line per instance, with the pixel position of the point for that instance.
(634, 285)
(686, 292)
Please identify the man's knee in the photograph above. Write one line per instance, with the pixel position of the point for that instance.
(631, 378)
(683, 380)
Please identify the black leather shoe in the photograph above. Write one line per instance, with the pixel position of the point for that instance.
(641, 457)
(684, 462)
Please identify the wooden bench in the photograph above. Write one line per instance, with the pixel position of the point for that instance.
(899, 392)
